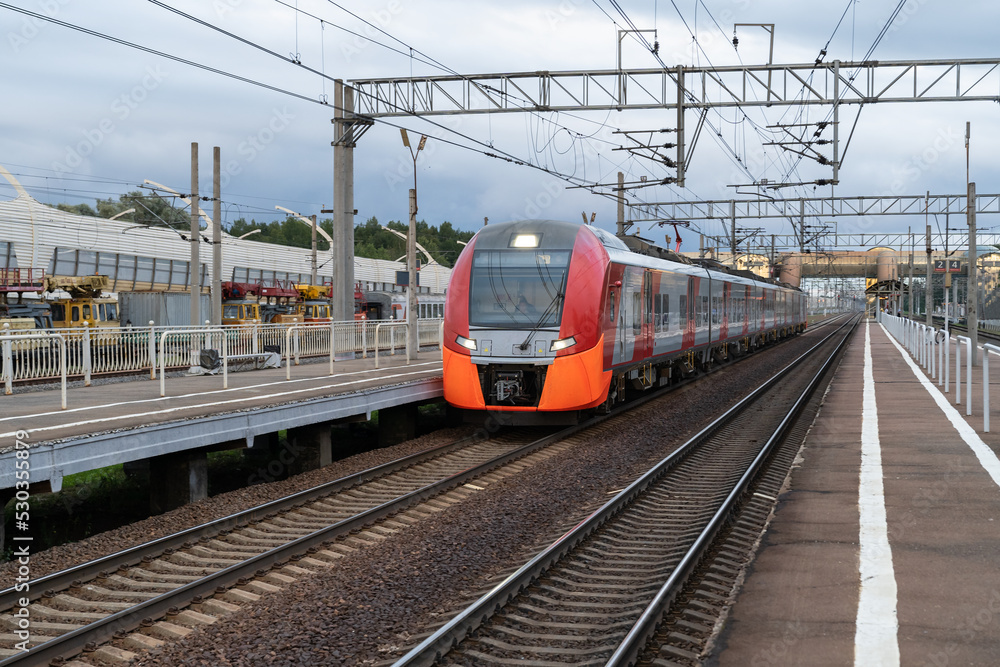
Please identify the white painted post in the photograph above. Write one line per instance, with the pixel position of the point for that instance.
(152, 351)
(333, 343)
(958, 370)
(947, 362)
(86, 354)
(986, 388)
(8, 362)
(987, 349)
(62, 367)
(968, 375)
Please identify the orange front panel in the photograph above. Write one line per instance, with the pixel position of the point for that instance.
(461, 381)
(576, 382)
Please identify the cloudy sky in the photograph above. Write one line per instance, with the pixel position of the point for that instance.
(85, 117)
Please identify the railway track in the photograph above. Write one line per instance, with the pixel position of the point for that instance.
(77, 609)
(160, 591)
(597, 595)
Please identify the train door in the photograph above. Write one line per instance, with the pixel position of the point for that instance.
(687, 312)
(724, 310)
(647, 318)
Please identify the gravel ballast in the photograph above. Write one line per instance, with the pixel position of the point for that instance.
(361, 610)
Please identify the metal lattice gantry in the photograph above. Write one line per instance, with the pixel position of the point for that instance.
(654, 88)
(834, 83)
(798, 209)
(818, 207)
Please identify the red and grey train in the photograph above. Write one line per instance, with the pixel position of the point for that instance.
(545, 319)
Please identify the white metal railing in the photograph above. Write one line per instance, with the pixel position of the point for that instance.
(194, 335)
(391, 326)
(968, 372)
(931, 348)
(987, 349)
(102, 350)
(21, 340)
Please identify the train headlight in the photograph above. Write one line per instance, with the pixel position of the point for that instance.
(525, 241)
(562, 344)
(467, 343)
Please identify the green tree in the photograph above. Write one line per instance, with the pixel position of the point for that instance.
(79, 209)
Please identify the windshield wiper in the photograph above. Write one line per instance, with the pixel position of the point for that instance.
(538, 325)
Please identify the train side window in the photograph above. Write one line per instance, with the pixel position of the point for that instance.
(76, 314)
(611, 307)
(666, 312)
(86, 312)
(682, 310)
(58, 312)
(657, 313)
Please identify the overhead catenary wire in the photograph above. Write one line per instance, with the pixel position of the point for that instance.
(494, 152)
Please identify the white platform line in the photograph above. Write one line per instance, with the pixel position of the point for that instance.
(875, 637)
(369, 372)
(237, 402)
(987, 458)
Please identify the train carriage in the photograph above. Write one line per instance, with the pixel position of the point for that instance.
(546, 319)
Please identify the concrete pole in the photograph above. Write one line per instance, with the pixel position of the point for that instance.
(928, 293)
(412, 340)
(313, 269)
(621, 204)
(217, 236)
(343, 308)
(195, 280)
(972, 310)
(347, 253)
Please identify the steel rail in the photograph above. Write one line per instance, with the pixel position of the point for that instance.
(103, 630)
(99, 631)
(448, 635)
(628, 651)
(63, 578)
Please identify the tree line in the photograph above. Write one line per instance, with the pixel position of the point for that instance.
(443, 241)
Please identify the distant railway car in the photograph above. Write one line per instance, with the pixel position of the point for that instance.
(545, 319)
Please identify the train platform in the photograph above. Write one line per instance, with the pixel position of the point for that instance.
(117, 422)
(884, 549)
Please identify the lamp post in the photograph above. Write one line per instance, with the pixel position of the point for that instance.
(315, 229)
(412, 340)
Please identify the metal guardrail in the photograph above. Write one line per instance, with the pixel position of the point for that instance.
(8, 341)
(102, 350)
(924, 342)
(191, 333)
(987, 349)
(392, 326)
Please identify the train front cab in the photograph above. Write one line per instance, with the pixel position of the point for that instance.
(515, 340)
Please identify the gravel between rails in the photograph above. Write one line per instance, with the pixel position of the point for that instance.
(66, 555)
(361, 610)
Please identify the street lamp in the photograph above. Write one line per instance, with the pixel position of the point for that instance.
(315, 229)
(403, 236)
(412, 340)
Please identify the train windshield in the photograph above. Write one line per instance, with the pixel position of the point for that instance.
(519, 289)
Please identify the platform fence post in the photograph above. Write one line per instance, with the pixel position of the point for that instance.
(87, 361)
(8, 363)
(986, 389)
(987, 349)
(968, 375)
(152, 351)
(940, 357)
(958, 370)
(947, 361)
